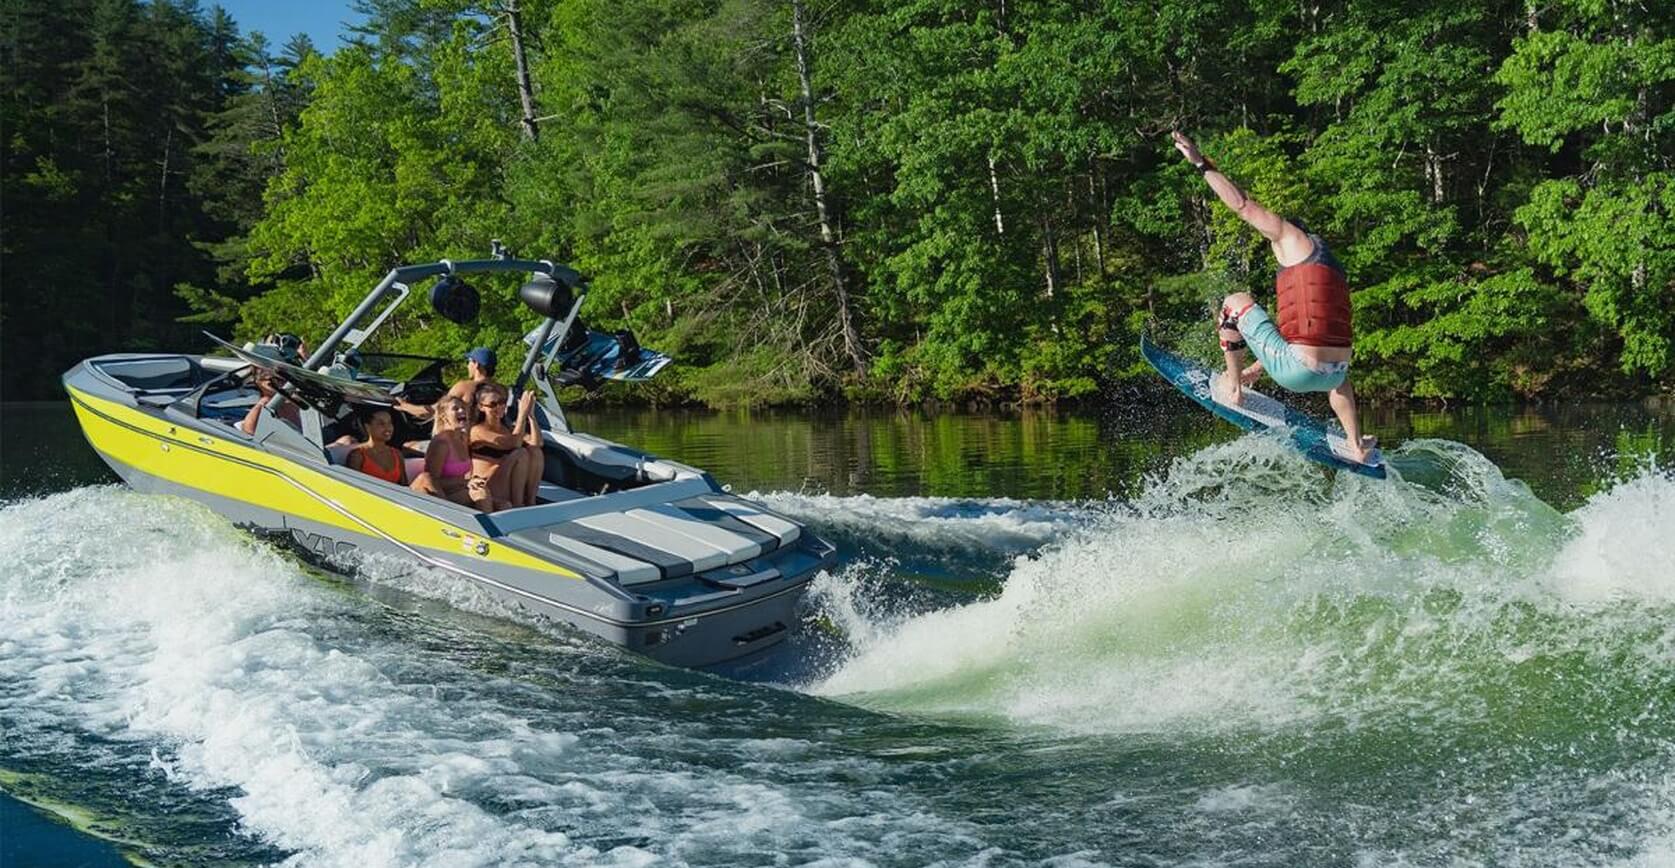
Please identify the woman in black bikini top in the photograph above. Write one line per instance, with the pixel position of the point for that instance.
(508, 462)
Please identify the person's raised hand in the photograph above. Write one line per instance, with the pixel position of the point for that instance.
(1187, 147)
(526, 400)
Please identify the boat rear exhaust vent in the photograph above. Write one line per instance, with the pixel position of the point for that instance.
(759, 633)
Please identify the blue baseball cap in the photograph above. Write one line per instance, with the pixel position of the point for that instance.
(482, 356)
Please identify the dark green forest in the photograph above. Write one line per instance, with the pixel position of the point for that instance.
(887, 200)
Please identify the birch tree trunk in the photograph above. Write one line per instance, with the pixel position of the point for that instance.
(526, 90)
(163, 181)
(994, 192)
(1100, 215)
(828, 237)
(1050, 248)
(1433, 173)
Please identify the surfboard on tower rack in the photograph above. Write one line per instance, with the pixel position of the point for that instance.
(1259, 412)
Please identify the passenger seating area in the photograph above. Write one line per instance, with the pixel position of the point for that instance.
(152, 374)
(155, 380)
(338, 454)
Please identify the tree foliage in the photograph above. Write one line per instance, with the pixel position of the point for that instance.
(891, 199)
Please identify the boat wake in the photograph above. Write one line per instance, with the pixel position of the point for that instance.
(1243, 589)
(178, 686)
(1245, 658)
(992, 524)
(172, 632)
(1451, 648)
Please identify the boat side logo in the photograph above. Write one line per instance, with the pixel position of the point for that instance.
(320, 544)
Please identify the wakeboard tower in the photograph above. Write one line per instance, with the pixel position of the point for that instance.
(1258, 412)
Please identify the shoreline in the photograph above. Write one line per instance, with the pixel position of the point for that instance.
(1654, 403)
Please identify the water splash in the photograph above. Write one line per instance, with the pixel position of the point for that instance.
(991, 524)
(1248, 661)
(1623, 548)
(1243, 590)
(195, 640)
(146, 646)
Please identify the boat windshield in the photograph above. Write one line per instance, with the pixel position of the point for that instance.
(401, 367)
(314, 384)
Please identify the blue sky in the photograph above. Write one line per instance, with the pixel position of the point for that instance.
(323, 20)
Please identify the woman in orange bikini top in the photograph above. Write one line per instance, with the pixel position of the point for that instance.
(376, 457)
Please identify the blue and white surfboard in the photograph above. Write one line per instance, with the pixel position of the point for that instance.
(600, 357)
(1259, 412)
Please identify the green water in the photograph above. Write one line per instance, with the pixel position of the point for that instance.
(1124, 638)
(1562, 452)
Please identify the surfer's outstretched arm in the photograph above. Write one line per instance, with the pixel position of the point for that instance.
(1290, 243)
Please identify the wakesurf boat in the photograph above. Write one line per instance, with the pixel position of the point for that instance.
(643, 551)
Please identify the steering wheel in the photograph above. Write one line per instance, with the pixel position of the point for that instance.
(425, 387)
(421, 392)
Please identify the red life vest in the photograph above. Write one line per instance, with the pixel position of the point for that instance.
(1313, 303)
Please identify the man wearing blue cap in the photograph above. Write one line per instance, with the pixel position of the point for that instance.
(479, 364)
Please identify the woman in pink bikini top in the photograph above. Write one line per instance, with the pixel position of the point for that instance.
(448, 457)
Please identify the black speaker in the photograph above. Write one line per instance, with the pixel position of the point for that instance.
(456, 300)
(547, 297)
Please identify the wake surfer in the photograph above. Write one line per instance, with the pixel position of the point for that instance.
(1310, 349)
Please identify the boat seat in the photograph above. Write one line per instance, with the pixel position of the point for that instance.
(416, 466)
(611, 460)
(240, 398)
(229, 406)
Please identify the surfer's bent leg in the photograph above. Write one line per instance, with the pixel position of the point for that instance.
(1278, 361)
(1233, 341)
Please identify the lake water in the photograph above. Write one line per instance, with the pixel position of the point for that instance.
(1125, 638)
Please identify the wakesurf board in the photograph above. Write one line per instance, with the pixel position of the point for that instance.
(1259, 412)
(589, 357)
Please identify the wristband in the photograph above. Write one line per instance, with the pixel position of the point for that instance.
(1205, 167)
